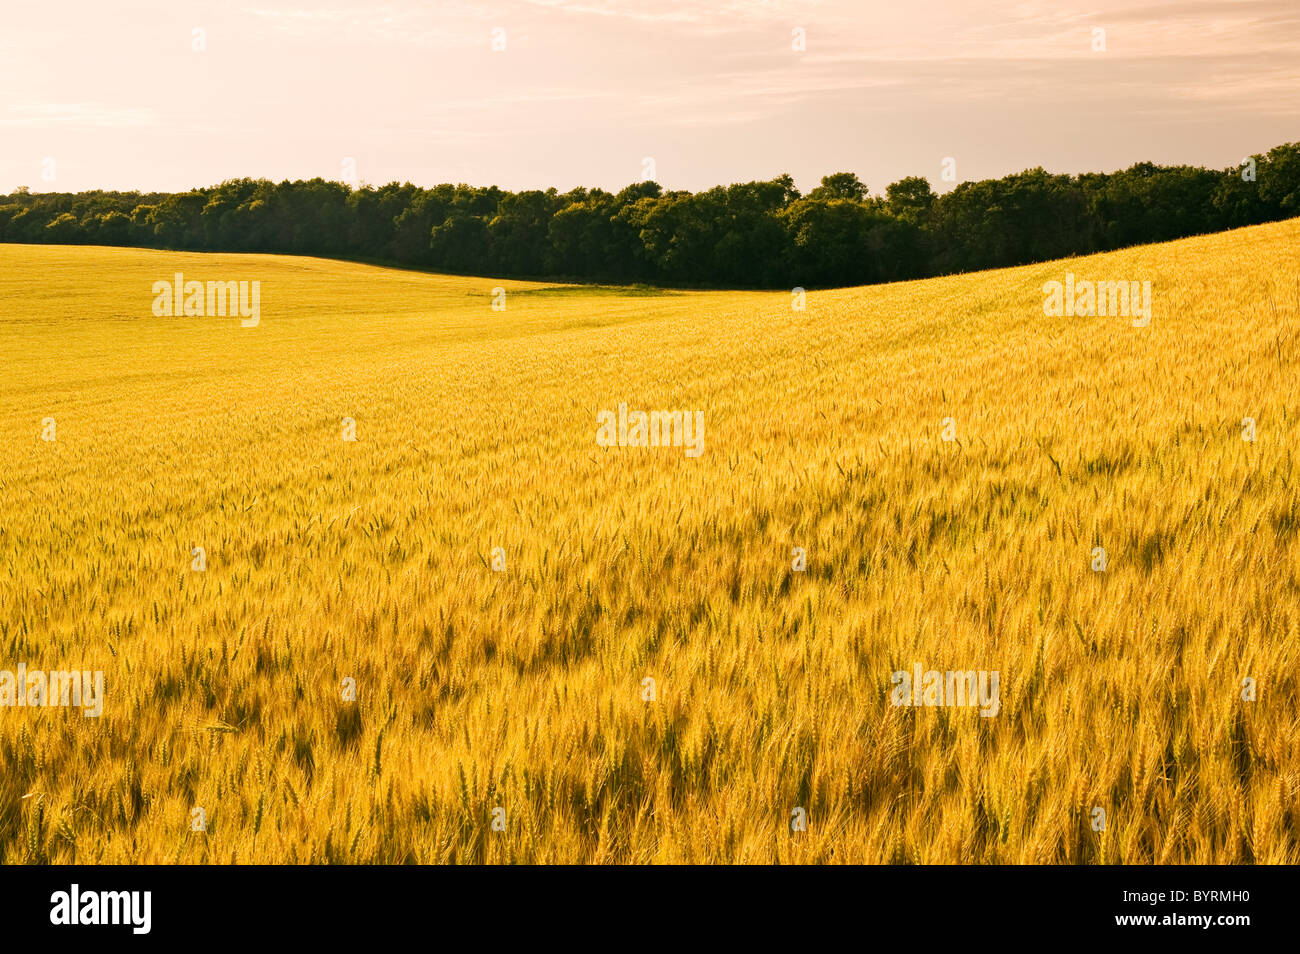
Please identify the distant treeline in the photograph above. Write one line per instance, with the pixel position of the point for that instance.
(757, 234)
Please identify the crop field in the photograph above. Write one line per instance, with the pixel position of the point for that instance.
(476, 633)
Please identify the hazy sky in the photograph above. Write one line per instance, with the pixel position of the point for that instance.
(118, 97)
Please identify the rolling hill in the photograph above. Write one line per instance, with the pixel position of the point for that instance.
(474, 633)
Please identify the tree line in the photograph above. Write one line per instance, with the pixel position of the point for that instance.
(753, 234)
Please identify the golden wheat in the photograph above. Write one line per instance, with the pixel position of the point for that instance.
(522, 690)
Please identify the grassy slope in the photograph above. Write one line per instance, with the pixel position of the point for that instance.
(329, 559)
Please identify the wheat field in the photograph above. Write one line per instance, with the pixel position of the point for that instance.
(503, 715)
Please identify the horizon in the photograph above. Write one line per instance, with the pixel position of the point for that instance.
(939, 187)
(579, 93)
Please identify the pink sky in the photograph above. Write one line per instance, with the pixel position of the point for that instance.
(117, 97)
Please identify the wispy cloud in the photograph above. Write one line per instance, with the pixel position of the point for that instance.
(585, 88)
(77, 114)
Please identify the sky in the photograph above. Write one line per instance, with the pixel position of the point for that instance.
(166, 95)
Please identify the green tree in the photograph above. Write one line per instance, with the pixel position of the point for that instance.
(910, 198)
(840, 185)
